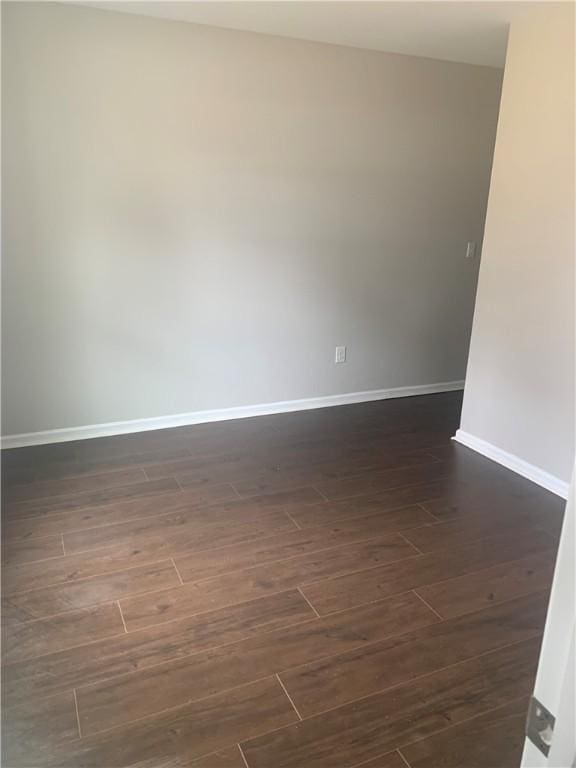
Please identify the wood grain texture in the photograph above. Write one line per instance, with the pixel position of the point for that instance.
(148, 515)
(155, 504)
(177, 533)
(489, 586)
(138, 695)
(50, 488)
(39, 603)
(373, 584)
(185, 591)
(214, 562)
(384, 502)
(189, 732)
(382, 481)
(226, 758)
(459, 532)
(321, 474)
(32, 729)
(493, 739)
(390, 760)
(347, 735)
(261, 580)
(37, 638)
(137, 651)
(499, 502)
(80, 465)
(39, 507)
(327, 683)
(31, 550)
(72, 568)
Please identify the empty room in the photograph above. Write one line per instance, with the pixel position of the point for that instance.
(288, 391)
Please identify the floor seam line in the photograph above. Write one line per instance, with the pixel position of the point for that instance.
(306, 584)
(308, 620)
(117, 727)
(299, 590)
(419, 677)
(398, 749)
(165, 559)
(437, 519)
(382, 513)
(121, 616)
(177, 571)
(178, 509)
(289, 516)
(242, 755)
(537, 553)
(506, 703)
(342, 546)
(13, 510)
(181, 507)
(49, 515)
(77, 713)
(389, 489)
(427, 604)
(410, 543)
(30, 659)
(39, 499)
(290, 699)
(323, 496)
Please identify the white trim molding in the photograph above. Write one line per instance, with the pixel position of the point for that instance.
(516, 464)
(220, 414)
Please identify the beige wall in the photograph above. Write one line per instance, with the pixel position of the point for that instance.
(194, 218)
(519, 392)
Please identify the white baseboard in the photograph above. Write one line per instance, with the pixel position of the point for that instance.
(510, 461)
(221, 414)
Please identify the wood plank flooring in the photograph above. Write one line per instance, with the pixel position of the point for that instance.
(340, 588)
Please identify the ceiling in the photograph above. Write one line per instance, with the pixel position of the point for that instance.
(459, 30)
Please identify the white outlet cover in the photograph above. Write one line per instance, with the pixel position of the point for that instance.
(340, 355)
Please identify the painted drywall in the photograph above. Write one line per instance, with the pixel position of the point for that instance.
(194, 218)
(519, 393)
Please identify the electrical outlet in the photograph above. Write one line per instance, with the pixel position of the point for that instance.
(340, 356)
(470, 250)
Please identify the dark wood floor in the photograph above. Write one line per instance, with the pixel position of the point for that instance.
(337, 588)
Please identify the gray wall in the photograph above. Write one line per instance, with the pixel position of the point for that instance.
(194, 218)
(519, 392)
